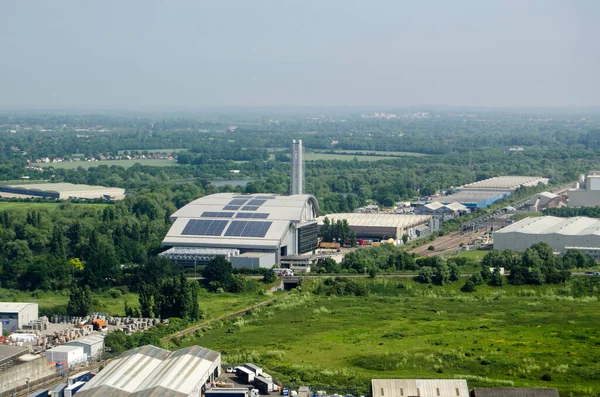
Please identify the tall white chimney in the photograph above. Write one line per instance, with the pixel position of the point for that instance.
(297, 167)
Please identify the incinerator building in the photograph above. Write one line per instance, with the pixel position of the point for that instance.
(242, 227)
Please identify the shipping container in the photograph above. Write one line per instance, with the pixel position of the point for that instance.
(40, 393)
(74, 388)
(245, 375)
(263, 384)
(80, 377)
(254, 368)
(237, 392)
(59, 390)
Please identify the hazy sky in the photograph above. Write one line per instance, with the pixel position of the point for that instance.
(192, 54)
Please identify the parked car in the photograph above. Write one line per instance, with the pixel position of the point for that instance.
(230, 370)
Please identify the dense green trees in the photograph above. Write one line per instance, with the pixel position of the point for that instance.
(170, 297)
(337, 231)
(80, 301)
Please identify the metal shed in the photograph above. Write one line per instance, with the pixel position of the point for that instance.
(419, 387)
(14, 315)
(93, 345)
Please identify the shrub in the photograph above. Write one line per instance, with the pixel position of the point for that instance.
(546, 377)
(431, 248)
(468, 287)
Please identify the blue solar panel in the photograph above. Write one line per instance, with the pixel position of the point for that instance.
(250, 208)
(248, 228)
(204, 227)
(256, 202)
(252, 215)
(210, 214)
(231, 207)
(239, 201)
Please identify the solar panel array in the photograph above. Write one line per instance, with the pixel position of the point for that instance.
(238, 201)
(252, 215)
(204, 227)
(248, 228)
(210, 214)
(232, 207)
(250, 208)
(256, 202)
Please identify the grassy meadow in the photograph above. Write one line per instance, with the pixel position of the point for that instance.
(510, 336)
(121, 163)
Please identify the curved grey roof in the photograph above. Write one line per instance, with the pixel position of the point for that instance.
(277, 213)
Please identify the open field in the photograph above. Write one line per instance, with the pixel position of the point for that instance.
(493, 337)
(111, 301)
(375, 152)
(51, 206)
(312, 156)
(122, 163)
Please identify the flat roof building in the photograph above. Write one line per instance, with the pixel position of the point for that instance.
(93, 345)
(587, 192)
(14, 315)
(152, 371)
(419, 387)
(513, 392)
(560, 233)
(63, 191)
(472, 199)
(281, 225)
(504, 183)
(381, 225)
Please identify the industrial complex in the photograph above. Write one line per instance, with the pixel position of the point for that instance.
(560, 233)
(587, 192)
(384, 226)
(232, 224)
(61, 191)
(14, 315)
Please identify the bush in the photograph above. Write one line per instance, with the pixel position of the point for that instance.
(546, 377)
(468, 287)
(431, 248)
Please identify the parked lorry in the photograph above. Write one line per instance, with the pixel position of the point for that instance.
(245, 375)
(232, 392)
(80, 377)
(74, 388)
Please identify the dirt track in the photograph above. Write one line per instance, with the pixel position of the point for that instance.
(446, 244)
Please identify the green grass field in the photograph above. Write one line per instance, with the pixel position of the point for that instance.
(152, 150)
(493, 337)
(50, 206)
(122, 163)
(311, 156)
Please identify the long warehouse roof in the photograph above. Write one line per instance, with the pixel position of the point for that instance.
(377, 220)
(14, 307)
(505, 182)
(151, 371)
(576, 226)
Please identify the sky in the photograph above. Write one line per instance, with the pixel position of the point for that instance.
(193, 54)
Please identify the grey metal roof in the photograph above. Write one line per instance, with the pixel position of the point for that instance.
(468, 197)
(509, 183)
(151, 371)
(575, 226)
(377, 219)
(419, 387)
(514, 392)
(92, 339)
(14, 307)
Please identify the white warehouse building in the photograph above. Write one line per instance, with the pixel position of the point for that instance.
(231, 224)
(561, 234)
(14, 315)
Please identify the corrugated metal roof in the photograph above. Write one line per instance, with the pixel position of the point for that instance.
(151, 371)
(14, 307)
(579, 226)
(65, 188)
(419, 387)
(91, 339)
(506, 182)
(378, 219)
(468, 197)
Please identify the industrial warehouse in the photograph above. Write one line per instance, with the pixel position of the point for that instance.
(61, 191)
(152, 371)
(486, 192)
(560, 233)
(384, 226)
(14, 315)
(228, 224)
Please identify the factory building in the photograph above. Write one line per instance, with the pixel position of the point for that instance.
(514, 392)
(383, 226)
(503, 183)
(560, 233)
(442, 210)
(587, 192)
(15, 315)
(66, 355)
(232, 224)
(472, 199)
(93, 345)
(151, 371)
(419, 387)
(545, 200)
(61, 191)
